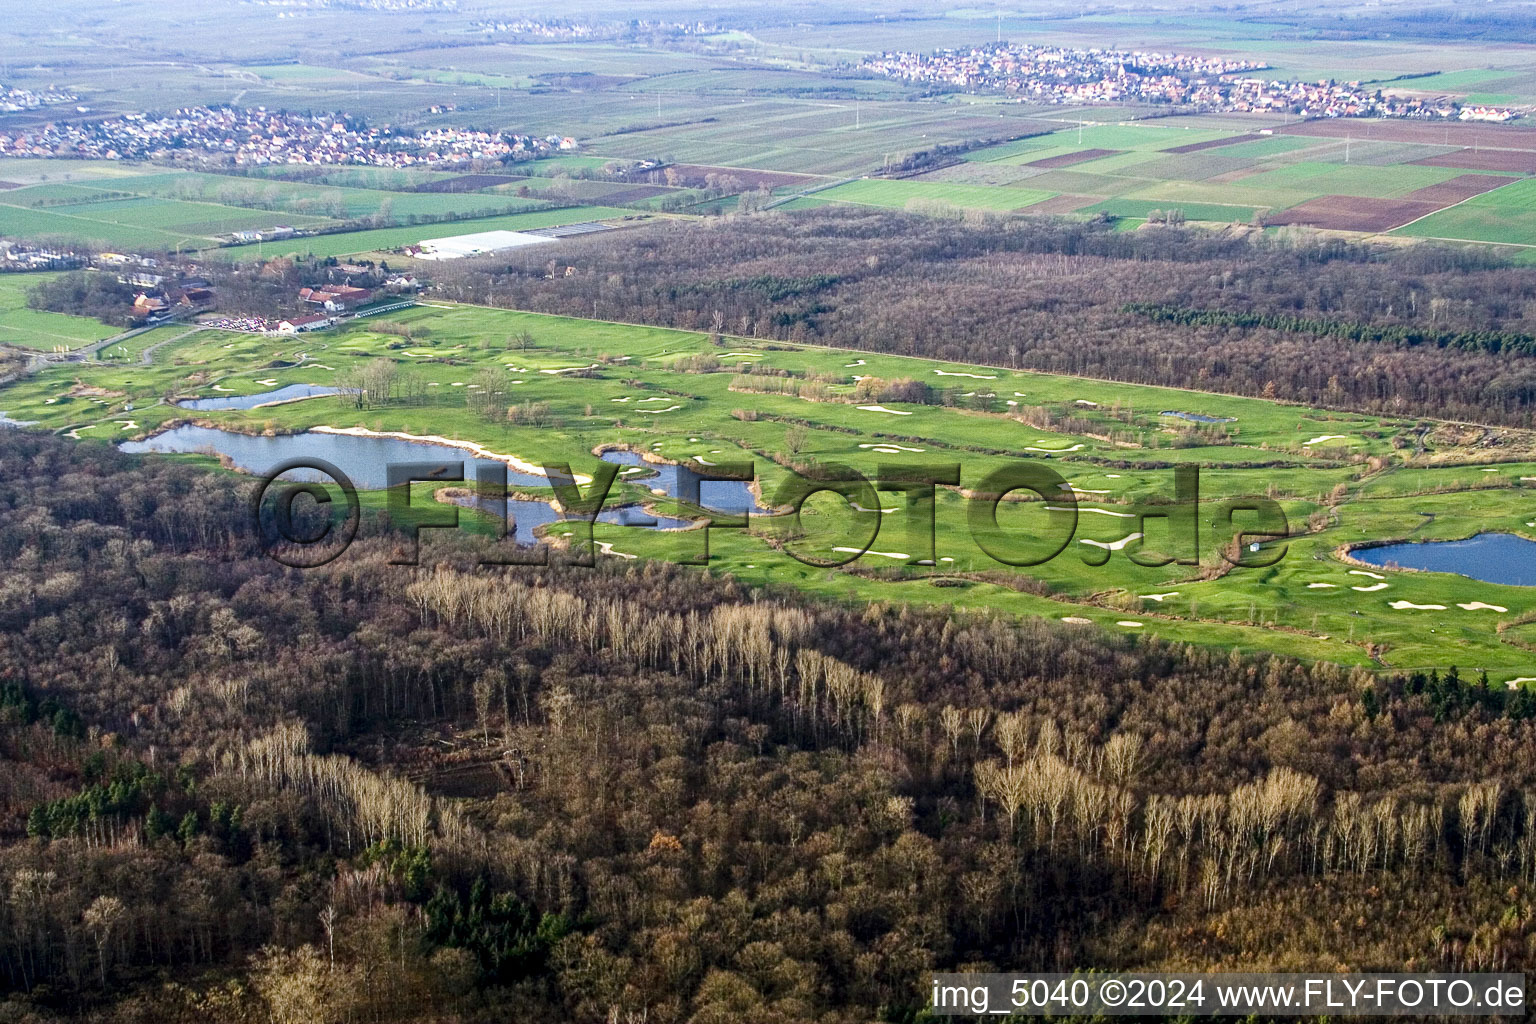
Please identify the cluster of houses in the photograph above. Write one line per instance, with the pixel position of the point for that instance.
(233, 136)
(561, 29)
(1058, 75)
(335, 298)
(24, 256)
(14, 99)
(1053, 74)
(162, 301)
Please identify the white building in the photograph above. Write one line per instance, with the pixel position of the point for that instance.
(299, 325)
(478, 244)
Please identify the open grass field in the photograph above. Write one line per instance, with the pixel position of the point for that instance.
(39, 330)
(1309, 604)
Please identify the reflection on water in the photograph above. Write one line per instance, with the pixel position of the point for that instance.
(524, 516)
(1195, 417)
(290, 393)
(729, 496)
(1490, 557)
(363, 459)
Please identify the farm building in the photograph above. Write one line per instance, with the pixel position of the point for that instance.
(300, 324)
(478, 244)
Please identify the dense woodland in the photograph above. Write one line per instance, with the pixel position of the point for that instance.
(369, 792)
(1411, 330)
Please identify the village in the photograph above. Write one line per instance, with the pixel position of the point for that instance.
(1058, 76)
(253, 137)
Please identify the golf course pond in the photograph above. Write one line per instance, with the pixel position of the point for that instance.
(291, 393)
(365, 459)
(1490, 557)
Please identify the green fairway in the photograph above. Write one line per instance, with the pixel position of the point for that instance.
(650, 391)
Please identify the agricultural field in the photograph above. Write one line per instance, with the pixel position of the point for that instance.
(1454, 182)
(1114, 445)
(1506, 215)
(905, 194)
(186, 210)
(382, 239)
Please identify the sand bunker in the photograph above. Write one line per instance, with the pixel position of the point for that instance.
(1159, 597)
(1478, 606)
(573, 369)
(977, 376)
(269, 382)
(219, 387)
(606, 547)
(1409, 605)
(644, 400)
(1363, 572)
(1370, 589)
(1128, 624)
(1114, 545)
(1321, 586)
(1077, 620)
(856, 362)
(1093, 511)
(881, 408)
(1319, 439)
(892, 444)
(1055, 451)
(882, 554)
(669, 408)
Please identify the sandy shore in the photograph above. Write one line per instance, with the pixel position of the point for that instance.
(477, 450)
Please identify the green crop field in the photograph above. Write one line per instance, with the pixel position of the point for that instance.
(306, 199)
(1309, 604)
(1391, 182)
(1506, 215)
(378, 239)
(900, 194)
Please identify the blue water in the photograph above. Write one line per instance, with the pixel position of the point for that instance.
(1490, 557)
(730, 496)
(1195, 417)
(363, 459)
(524, 516)
(287, 394)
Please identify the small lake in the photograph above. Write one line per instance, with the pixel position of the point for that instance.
(1195, 417)
(364, 459)
(524, 516)
(1490, 557)
(730, 496)
(291, 393)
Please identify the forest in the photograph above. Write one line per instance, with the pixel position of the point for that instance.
(373, 792)
(1422, 330)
